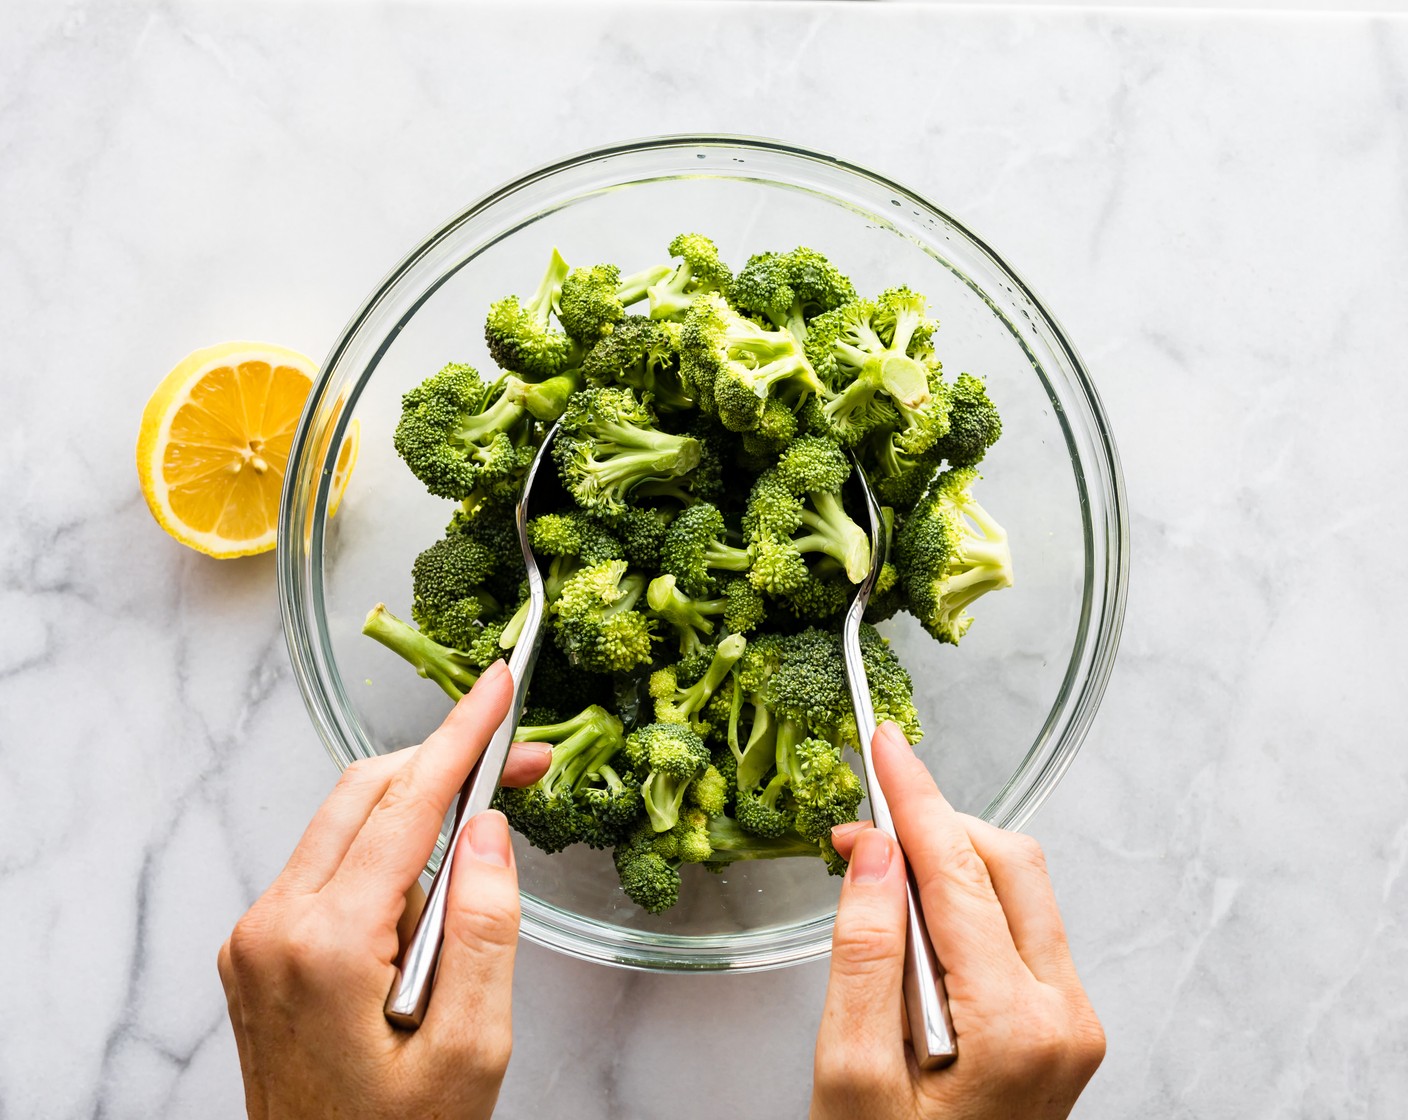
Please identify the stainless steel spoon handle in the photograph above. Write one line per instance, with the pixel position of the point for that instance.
(410, 990)
(925, 1000)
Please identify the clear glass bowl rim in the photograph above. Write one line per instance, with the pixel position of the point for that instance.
(1095, 461)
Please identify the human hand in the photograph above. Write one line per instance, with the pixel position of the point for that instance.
(1028, 1040)
(307, 969)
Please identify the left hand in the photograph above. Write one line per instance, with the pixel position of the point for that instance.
(307, 969)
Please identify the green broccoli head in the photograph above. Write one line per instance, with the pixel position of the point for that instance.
(876, 357)
(462, 437)
(974, 424)
(574, 801)
(700, 270)
(448, 594)
(642, 355)
(790, 289)
(520, 335)
(573, 533)
(784, 529)
(595, 624)
(609, 444)
(696, 546)
(671, 756)
(949, 552)
(734, 366)
(684, 704)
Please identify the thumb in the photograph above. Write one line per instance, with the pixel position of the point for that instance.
(861, 1039)
(470, 1006)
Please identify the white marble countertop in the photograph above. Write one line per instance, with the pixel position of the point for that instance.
(1214, 206)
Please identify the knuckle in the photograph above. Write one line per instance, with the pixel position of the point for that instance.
(847, 1070)
(490, 923)
(403, 798)
(361, 772)
(962, 867)
(1088, 1050)
(1028, 851)
(861, 948)
(248, 943)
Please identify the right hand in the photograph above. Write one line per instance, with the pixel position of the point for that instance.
(1028, 1040)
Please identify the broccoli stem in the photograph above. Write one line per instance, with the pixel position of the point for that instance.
(727, 558)
(663, 796)
(730, 843)
(834, 533)
(504, 414)
(546, 400)
(430, 659)
(622, 467)
(544, 300)
(632, 289)
(759, 754)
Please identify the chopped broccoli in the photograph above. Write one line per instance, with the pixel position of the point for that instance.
(451, 669)
(670, 756)
(734, 366)
(460, 435)
(775, 514)
(696, 546)
(609, 444)
(949, 552)
(679, 704)
(448, 595)
(874, 355)
(974, 424)
(594, 300)
(643, 355)
(789, 289)
(700, 270)
(520, 336)
(582, 797)
(594, 621)
(693, 619)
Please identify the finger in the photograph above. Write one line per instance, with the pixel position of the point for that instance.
(965, 919)
(843, 836)
(1019, 877)
(527, 762)
(860, 1046)
(389, 852)
(330, 833)
(470, 1005)
(230, 983)
(345, 810)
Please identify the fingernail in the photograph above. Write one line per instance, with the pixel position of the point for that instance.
(493, 670)
(892, 734)
(541, 751)
(870, 858)
(841, 831)
(488, 839)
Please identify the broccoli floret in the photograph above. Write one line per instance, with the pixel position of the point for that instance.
(643, 355)
(683, 704)
(609, 444)
(448, 595)
(670, 756)
(520, 336)
(789, 289)
(573, 533)
(824, 790)
(775, 513)
(700, 270)
(460, 435)
(642, 533)
(744, 606)
(696, 546)
(581, 798)
(594, 621)
(693, 619)
(594, 300)
(949, 552)
(875, 357)
(891, 687)
(898, 477)
(710, 791)
(974, 424)
(451, 669)
(734, 366)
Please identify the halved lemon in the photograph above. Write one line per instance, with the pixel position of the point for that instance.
(214, 445)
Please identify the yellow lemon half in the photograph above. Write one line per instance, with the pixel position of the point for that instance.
(214, 445)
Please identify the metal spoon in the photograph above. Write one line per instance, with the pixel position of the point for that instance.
(410, 990)
(930, 1026)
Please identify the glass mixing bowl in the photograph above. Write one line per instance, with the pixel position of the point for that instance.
(1004, 713)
